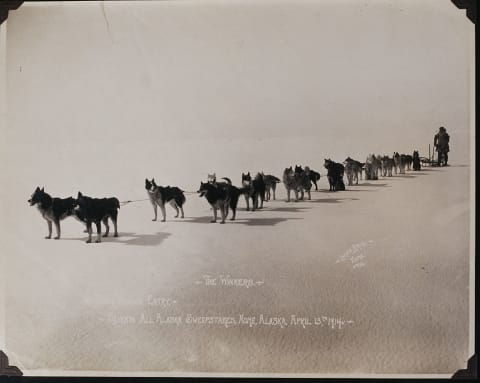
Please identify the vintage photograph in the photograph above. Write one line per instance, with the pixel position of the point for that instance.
(247, 188)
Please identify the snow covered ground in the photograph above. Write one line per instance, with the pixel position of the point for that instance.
(380, 271)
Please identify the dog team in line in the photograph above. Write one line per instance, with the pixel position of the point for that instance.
(221, 195)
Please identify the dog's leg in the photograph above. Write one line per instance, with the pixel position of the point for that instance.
(174, 205)
(57, 228)
(181, 211)
(99, 231)
(214, 214)
(247, 200)
(114, 220)
(49, 223)
(89, 229)
(222, 212)
(154, 204)
(309, 195)
(164, 213)
(274, 186)
(288, 195)
(233, 206)
(296, 195)
(107, 228)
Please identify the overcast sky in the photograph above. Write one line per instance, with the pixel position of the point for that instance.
(341, 73)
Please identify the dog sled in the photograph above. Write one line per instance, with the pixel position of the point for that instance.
(432, 160)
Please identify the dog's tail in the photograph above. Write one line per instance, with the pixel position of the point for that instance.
(227, 179)
(276, 179)
(117, 202)
(317, 176)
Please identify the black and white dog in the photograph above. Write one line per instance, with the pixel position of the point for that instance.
(314, 176)
(335, 173)
(270, 185)
(304, 180)
(221, 196)
(52, 209)
(160, 195)
(96, 210)
(256, 190)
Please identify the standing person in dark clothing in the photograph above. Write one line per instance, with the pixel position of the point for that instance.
(441, 144)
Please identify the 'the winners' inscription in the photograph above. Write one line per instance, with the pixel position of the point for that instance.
(227, 281)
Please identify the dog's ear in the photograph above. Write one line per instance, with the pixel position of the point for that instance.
(42, 188)
(79, 195)
(37, 189)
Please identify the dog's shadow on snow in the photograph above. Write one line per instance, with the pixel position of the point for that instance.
(130, 239)
(374, 184)
(243, 220)
(332, 200)
(287, 209)
(308, 201)
(348, 189)
(261, 221)
(419, 173)
(403, 176)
